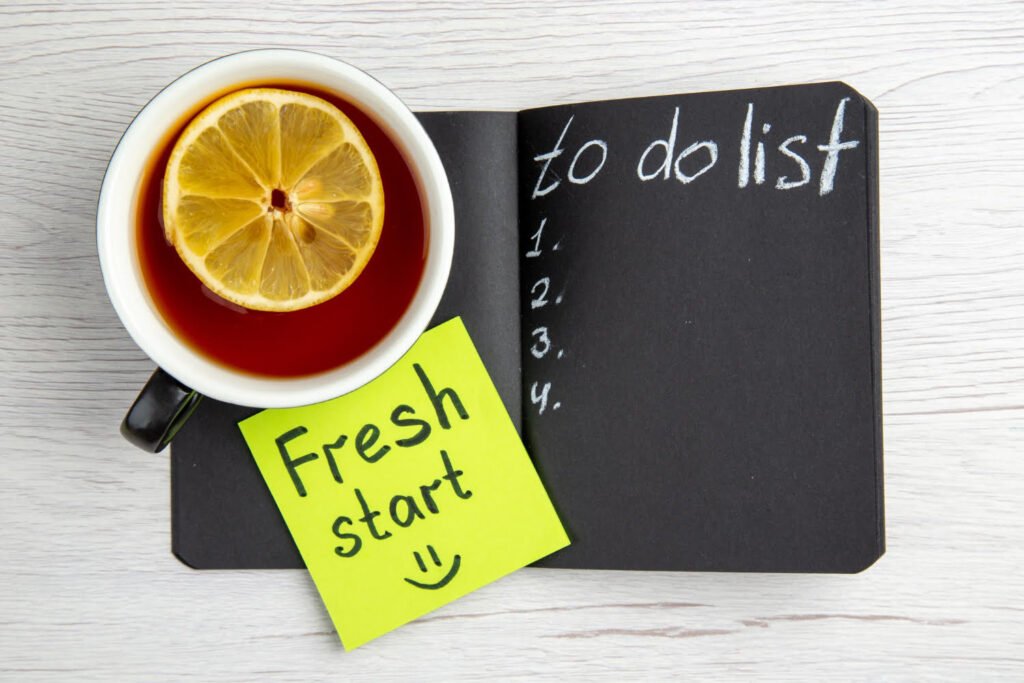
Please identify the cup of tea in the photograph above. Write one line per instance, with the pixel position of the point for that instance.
(173, 290)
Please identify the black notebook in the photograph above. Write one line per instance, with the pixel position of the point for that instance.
(677, 298)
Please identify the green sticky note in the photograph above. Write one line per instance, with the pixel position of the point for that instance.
(409, 492)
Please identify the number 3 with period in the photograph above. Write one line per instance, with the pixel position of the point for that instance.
(540, 348)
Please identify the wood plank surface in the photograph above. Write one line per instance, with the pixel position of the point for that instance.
(90, 591)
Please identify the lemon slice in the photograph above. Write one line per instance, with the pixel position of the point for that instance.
(273, 199)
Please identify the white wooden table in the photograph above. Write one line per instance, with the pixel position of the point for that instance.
(88, 587)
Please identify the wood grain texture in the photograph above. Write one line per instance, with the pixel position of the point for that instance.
(90, 591)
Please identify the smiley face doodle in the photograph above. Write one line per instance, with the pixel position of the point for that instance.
(444, 580)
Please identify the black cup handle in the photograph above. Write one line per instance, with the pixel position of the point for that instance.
(158, 413)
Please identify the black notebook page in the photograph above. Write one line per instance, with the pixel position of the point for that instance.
(479, 153)
(700, 347)
(223, 516)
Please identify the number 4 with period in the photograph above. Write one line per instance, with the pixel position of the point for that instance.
(540, 399)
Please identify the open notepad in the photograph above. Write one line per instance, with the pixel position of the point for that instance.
(677, 298)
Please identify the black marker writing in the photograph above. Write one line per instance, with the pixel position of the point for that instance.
(403, 510)
(292, 464)
(437, 398)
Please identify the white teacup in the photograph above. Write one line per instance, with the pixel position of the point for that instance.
(185, 375)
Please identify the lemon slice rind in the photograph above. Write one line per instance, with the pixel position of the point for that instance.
(273, 199)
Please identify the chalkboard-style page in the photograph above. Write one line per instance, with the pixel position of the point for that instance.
(223, 516)
(479, 152)
(701, 382)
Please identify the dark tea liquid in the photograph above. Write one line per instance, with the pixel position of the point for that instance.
(311, 340)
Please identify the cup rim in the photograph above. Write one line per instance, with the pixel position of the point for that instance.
(116, 242)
